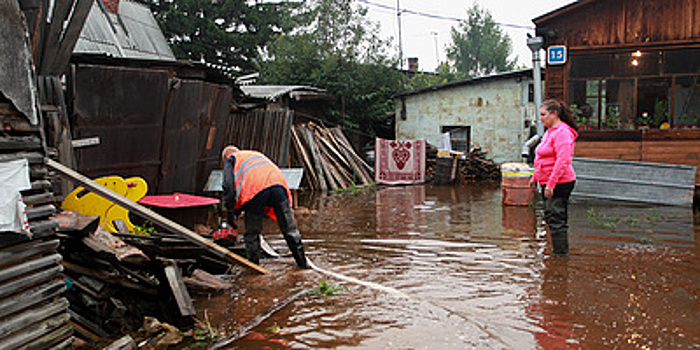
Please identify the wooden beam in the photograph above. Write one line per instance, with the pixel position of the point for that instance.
(81, 9)
(182, 297)
(146, 213)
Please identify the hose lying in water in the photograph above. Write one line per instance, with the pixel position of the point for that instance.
(271, 252)
(245, 329)
(401, 294)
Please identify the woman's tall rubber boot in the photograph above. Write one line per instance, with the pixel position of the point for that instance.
(555, 213)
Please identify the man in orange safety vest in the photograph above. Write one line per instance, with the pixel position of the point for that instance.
(255, 185)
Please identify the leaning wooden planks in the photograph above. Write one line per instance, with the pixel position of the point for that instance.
(330, 163)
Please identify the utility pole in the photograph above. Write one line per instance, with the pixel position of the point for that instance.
(437, 55)
(398, 16)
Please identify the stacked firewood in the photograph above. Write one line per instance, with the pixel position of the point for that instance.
(472, 166)
(116, 280)
(329, 160)
(476, 166)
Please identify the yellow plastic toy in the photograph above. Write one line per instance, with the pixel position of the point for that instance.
(87, 203)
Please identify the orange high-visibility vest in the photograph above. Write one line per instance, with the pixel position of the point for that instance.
(253, 173)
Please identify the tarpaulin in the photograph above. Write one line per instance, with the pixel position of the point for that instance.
(14, 177)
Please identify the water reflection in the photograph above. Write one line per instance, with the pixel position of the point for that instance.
(479, 276)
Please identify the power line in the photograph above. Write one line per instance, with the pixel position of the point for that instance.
(434, 16)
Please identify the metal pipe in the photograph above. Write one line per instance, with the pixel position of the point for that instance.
(535, 44)
(525, 153)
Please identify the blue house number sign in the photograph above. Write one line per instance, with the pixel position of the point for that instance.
(556, 54)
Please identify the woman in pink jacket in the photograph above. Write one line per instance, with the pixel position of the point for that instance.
(553, 170)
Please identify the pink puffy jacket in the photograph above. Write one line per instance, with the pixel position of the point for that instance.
(553, 156)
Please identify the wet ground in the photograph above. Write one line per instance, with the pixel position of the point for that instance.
(474, 274)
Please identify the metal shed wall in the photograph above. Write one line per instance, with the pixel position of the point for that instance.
(167, 130)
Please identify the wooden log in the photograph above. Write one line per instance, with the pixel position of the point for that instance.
(154, 217)
(306, 162)
(357, 170)
(314, 159)
(347, 145)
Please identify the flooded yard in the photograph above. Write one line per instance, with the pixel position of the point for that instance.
(472, 273)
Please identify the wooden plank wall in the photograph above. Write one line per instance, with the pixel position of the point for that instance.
(655, 146)
(266, 131)
(625, 22)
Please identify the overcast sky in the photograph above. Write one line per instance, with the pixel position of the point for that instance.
(427, 36)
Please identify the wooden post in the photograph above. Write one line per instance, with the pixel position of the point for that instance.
(153, 216)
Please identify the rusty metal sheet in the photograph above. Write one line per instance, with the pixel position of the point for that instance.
(125, 107)
(193, 135)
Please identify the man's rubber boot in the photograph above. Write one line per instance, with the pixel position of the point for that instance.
(285, 219)
(253, 228)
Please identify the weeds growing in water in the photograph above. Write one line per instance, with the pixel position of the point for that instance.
(325, 289)
(646, 240)
(354, 190)
(202, 335)
(598, 218)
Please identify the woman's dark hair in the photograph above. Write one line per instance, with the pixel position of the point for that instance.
(562, 110)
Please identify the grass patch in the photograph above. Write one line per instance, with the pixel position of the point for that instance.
(325, 289)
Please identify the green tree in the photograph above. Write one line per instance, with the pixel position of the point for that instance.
(232, 33)
(445, 74)
(338, 50)
(479, 47)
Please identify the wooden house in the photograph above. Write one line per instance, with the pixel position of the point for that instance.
(630, 69)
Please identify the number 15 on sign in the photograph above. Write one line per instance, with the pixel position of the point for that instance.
(556, 54)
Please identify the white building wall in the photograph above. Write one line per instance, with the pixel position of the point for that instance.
(495, 110)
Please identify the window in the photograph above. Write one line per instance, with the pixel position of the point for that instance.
(682, 61)
(591, 66)
(637, 63)
(459, 137)
(635, 89)
(687, 101)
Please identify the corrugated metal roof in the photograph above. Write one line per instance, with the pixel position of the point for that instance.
(506, 75)
(272, 92)
(133, 33)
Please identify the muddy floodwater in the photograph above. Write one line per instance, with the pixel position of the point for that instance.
(472, 273)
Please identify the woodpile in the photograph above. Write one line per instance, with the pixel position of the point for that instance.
(472, 166)
(476, 167)
(117, 280)
(329, 160)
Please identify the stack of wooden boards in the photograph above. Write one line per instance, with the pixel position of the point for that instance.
(329, 160)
